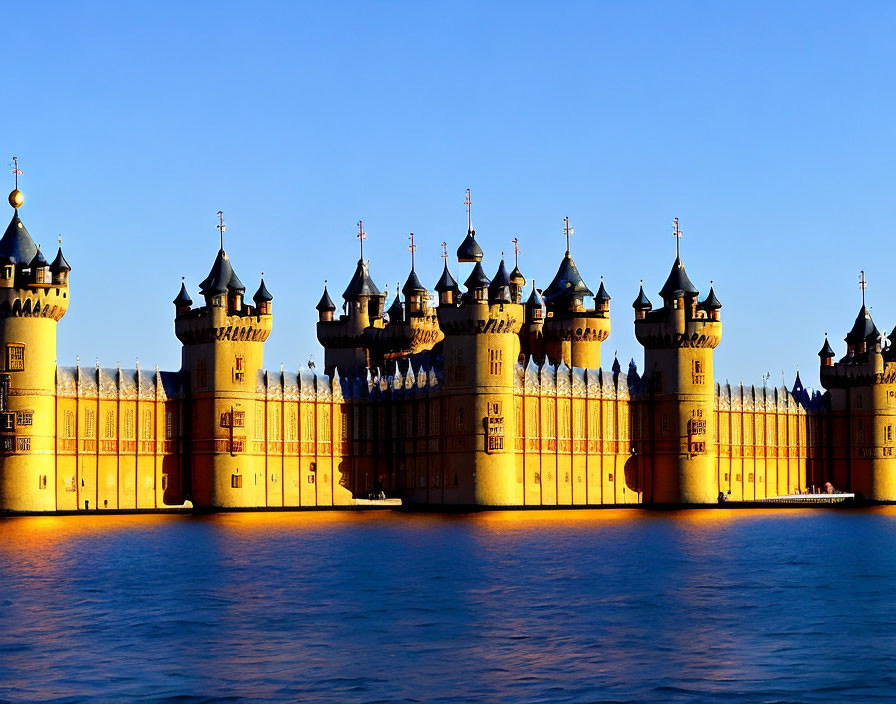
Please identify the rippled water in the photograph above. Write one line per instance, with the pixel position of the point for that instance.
(613, 605)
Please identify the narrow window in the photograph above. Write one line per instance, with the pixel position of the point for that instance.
(169, 424)
(236, 481)
(42, 481)
(110, 424)
(89, 424)
(15, 358)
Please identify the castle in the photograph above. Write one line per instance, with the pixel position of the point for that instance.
(481, 397)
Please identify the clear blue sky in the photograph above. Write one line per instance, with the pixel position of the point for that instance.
(766, 127)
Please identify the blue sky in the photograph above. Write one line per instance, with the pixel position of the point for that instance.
(767, 128)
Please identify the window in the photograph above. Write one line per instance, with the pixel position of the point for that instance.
(110, 424)
(698, 376)
(15, 358)
(129, 423)
(888, 433)
(292, 427)
(23, 444)
(169, 424)
(236, 481)
(495, 361)
(89, 424)
(459, 419)
(201, 375)
(239, 373)
(147, 424)
(460, 374)
(42, 481)
(68, 424)
(24, 417)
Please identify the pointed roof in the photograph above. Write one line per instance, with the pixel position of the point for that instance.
(500, 284)
(469, 250)
(567, 282)
(16, 245)
(602, 294)
(642, 302)
(711, 302)
(183, 298)
(446, 281)
(535, 299)
(39, 260)
(325, 303)
(221, 278)
(863, 330)
(826, 350)
(262, 295)
(413, 285)
(59, 263)
(678, 282)
(396, 311)
(361, 284)
(477, 279)
(517, 278)
(797, 384)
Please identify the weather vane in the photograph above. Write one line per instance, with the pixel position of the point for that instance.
(445, 252)
(221, 226)
(469, 203)
(361, 237)
(863, 284)
(516, 251)
(16, 199)
(676, 230)
(412, 248)
(567, 230)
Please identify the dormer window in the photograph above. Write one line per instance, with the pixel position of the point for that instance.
(7, 272)
(42, 275)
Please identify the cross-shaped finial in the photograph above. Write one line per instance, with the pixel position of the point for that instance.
(516, 251)
(361, 237)
(469, 203)
(412, 248)
(863, 284)
(445, 252)
(16, 170)
(676, 230)
(221, 226)
(567, 230)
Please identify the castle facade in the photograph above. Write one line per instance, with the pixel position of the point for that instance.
(480, 397)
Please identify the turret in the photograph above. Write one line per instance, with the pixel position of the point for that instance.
(31, 305)
(573, 332)
(678, 341)
(222, 355)
(481, 349)
(349, 342)
(447, 287)
(532, 336)
(325, 306)
(182, 302)
(862, 388)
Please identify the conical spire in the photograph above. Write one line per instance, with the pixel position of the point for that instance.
(446, 281)
(863, 330)
(262, 295)
(325, 303)
(602, 294)
(39, 260)
(711, 302)
(222, 278)
(183, 298)
(59, 263)
(678, 282)
(412, 285)
(361, 284)
(477, 279)
(499, 288)
(642, 302)
(396, 310)
(535, 298)
(16, 245)
(567, 283)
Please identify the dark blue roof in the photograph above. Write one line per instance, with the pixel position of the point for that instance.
(863, 330)
(221, 278)
(477, 279)
(325, 303)
(262, 295)
(602, 294)
(711, 302)
(413, 284)
(567, 283)
(678, 282)
(16, 245)
(446, 281)
(826, 350)
(469, 250)
(361, 284)
(39, 260)
(183, 298)
(642, 302)
(59, 263)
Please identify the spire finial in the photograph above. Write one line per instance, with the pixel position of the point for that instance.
(16, 197)
(469, 203)
(412, 248)
(60, 240)
(516, 251)
(676, 230)
(445, 252)
(863, 284)
(361, 237)
(567, 230)
(221, 226)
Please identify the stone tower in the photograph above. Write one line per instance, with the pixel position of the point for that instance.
(862, 388)
(571, 332)
(223, 348)
(33, 298)
(678, 341)
(480, 350)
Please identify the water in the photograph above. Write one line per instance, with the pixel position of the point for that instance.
(613, 605)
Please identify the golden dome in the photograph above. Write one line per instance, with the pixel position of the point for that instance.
(16, 198)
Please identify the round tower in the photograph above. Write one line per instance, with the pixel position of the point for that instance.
(678, 341)
(481, 349)
(223, 350)
(33, 298)
(573, 333)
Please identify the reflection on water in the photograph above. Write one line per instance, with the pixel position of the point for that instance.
(571, 606)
